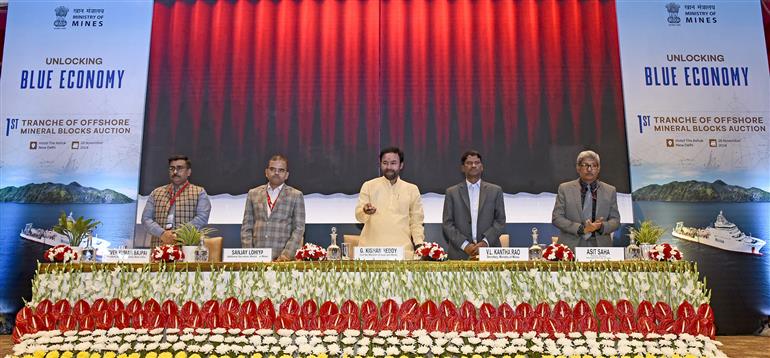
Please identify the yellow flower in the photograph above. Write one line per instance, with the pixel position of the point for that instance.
(180, 354)
(122, 355)
(195, 355)
(163, 355)
(67, 354)
(213, 356)
(52, 354)
(151, 355)
(132, 355)
(82, 355)
(39, 354)
(96, 355)
(109, 355)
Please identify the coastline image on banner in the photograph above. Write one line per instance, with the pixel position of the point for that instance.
(72, 97)
(696, 89)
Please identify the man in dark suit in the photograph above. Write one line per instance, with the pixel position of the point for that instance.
(586, 209)
(275, 213)
(474, 211)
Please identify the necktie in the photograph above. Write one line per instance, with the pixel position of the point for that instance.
(588, 208)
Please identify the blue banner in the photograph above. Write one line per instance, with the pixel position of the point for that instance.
(696, 91)
(72, 95)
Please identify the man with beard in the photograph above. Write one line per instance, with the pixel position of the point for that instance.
(586, 209)
(175, 204)
(474, 211)
(390, 208)
(275, 213)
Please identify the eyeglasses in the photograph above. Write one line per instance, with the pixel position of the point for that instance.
(277, 170)
(589, 166)
(176, 169)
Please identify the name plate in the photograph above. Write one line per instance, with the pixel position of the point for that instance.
(379, 253)
(503, 254)
(129, 256)
(587, 254)
(247, 255)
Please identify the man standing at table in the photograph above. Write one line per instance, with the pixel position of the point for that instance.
(474, 211)
(390, 208)
(275, 213)
(586, 209)
(175, 204)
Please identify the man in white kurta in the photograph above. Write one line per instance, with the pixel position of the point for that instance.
(390, 208)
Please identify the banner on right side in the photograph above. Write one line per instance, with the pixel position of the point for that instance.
(697, 99)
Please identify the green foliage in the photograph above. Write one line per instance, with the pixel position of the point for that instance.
(189, 235)
(647, 233)
(76, 230)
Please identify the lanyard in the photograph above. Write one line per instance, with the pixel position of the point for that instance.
(174, 196)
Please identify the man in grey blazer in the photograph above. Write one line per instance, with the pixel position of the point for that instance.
(586, 209)
(474, 211)
(275, 213)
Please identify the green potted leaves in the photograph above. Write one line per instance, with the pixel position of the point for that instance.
(647, 235)
(189, 237)
(75, 229)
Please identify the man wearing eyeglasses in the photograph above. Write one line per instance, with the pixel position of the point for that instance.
(275, 213)
(175, 204)
(586, 209)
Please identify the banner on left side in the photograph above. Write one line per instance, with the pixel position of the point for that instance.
(72, 96)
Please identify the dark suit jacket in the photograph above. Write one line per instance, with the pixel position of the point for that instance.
(568, 213)
(457, 217)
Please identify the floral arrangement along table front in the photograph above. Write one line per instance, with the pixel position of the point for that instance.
(368, 309)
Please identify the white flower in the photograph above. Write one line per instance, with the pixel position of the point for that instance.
(202, 331)
(200, 338)
(137, 347)
(385, 333)
(378, 352)
(124, 348)
(362, 350)
(334, 349)
(249, 331)
(178, 346)
(348, 351)
(193, 348)
(290, 349)
(402, 333)
(207, 348)
(270, 340)
(423, 349)
(369, 332)
(425, 340)
(217, 338)
(351, 333)
(265, 332)
(151, 346)
(347, 340)
(378, 341)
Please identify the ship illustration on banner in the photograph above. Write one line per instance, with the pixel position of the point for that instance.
(722, 234)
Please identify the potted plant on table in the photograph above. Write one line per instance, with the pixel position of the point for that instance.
(75, 229)
(189, 237)
(647, 235)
